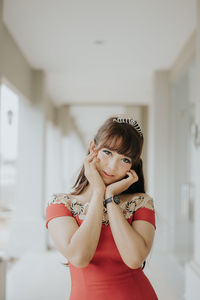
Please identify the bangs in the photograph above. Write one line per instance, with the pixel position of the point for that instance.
(121, 142)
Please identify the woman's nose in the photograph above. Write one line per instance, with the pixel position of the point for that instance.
(112, 165)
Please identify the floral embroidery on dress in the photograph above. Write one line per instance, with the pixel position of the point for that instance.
(80, 210)
(58, 199)
(128, 208)
(146, 202)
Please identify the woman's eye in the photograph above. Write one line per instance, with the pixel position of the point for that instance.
(106, 151)
(127, 160)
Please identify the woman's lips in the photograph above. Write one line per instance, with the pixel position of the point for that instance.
(107, 174)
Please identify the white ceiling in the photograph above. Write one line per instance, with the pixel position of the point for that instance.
(138, 37)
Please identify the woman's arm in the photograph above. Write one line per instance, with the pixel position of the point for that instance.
(85, 240)
(131, 245)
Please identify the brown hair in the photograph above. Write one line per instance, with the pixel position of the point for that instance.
(131, 143)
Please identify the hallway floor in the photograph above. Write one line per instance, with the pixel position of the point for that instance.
(38, 276)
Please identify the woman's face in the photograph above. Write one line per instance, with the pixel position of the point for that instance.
(114, 164)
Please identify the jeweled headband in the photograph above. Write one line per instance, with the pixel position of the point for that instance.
(129, 121)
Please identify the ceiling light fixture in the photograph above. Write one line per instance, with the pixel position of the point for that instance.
(99, 42)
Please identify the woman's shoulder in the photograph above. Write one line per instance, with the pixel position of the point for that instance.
(139, 200)
(58, 198)
(144, 200)
(134, 196)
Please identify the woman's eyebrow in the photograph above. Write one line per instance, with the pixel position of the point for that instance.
(124, 155)
(127, 156)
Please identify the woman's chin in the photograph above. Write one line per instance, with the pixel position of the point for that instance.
(108, 181)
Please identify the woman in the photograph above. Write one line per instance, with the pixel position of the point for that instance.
(105, 227)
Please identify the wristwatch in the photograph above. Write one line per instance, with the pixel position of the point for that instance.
(114, 198)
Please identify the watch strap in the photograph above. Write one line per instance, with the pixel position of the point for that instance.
(106, 201)
(114, 198)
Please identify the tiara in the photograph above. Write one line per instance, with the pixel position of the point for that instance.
(129, 121)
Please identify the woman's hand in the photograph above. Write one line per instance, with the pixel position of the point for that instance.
(92, 173)
(118, 187)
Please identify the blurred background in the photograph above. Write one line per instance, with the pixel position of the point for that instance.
(65, 66)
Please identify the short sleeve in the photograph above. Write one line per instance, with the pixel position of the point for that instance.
(144, 210)
(58, 206)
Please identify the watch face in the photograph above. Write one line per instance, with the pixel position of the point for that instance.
(116, 199)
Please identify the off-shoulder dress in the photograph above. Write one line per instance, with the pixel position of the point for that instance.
(106, 276)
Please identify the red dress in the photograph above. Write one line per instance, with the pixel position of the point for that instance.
(106, 276)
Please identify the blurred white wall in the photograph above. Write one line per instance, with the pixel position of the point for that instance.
(53, 143)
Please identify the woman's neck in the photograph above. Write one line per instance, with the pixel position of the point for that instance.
(85, 195)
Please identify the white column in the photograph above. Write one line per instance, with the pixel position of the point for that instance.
(192, 270)
(3, 270)
(72, 147)
(197, 118)
(160, 172)
(27, 230)
(3, 257)
(1, 36)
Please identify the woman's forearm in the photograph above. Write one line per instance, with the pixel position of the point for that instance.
(130, 244)
(85, 240)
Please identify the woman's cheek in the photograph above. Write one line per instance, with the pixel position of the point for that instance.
(101, 161)
(98, 163)
(125, 170)
(100, 156)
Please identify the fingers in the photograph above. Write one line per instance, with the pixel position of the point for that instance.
(132, 175)
(94, 160)
(90, 156)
